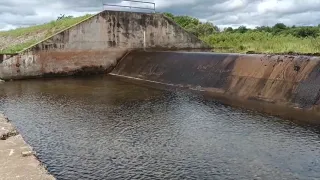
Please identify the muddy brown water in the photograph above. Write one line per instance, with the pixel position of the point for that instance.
(102, 128)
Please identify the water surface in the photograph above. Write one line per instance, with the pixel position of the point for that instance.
(103, 128)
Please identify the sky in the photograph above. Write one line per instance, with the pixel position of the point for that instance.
(223, 13)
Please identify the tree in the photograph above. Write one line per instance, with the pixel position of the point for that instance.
(278, 28)
(303, 32)
(194, 25)
(62, 16)
(169, 15)
(192, 28)
(264, 29)
(207, 29)
(242, 29)
(229, 29)
(186, 20)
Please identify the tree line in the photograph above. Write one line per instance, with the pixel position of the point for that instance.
(201, 29)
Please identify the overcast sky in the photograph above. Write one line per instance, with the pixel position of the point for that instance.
(251, 13)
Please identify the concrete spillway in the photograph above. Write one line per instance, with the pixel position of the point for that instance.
(282, 85)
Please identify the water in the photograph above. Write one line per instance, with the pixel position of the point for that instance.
(102, 128)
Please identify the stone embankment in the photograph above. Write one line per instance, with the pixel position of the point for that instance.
(17, 158)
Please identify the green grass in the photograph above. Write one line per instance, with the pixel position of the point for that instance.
(261, 42)
(47, 30)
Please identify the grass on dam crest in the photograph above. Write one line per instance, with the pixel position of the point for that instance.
(16, 40)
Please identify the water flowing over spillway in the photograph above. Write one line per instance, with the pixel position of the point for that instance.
(103, 128)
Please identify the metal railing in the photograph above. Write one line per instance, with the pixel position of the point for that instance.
(135, 7)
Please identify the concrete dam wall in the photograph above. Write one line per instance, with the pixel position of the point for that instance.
(96, 44)
(288, 86)
(112, 41)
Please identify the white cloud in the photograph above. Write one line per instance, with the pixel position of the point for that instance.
(7, 27)
(288, 6)
(230, 5)
(170, 3)
(16, 13)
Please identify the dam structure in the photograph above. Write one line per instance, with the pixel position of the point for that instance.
(152, 48)
(96, 44)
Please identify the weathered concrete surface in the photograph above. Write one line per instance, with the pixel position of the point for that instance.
(16, 157)
(287, 86)
(96, 45)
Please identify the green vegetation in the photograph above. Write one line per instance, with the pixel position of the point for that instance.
(12, 49)
(22, 38)
(194, 25)
(276, 39)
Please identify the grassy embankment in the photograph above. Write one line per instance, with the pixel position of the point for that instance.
(16, 40)
(261, 42)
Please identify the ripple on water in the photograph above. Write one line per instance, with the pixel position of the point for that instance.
(99, 128)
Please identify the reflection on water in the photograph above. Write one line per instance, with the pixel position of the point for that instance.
(101, 128)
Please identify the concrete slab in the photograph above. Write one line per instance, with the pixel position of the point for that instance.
(16, 156)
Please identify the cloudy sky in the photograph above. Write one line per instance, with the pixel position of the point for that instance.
(251, 13)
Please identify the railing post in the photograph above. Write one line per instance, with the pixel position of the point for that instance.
(131, 7)
(144, 40)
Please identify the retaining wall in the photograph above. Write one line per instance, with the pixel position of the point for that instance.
(287, 86)
(96, 44)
